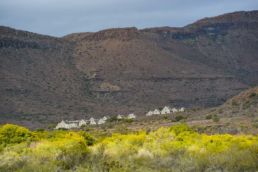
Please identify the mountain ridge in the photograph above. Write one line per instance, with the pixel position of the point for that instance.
(126, 70)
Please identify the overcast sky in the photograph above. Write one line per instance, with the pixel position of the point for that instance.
(60, 17)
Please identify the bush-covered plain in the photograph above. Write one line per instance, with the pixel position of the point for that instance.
(177, 148)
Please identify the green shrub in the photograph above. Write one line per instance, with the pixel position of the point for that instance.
(215, 118)
(208, 116)
(40, 129)
(179, 118)
(112, 119)
(90, 140)
(252, 95)
(165, 117)
(128, 120)
(255, 124)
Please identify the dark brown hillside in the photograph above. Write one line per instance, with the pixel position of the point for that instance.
(38, 80)
(46, 79)
(227, 42)
(245, 104)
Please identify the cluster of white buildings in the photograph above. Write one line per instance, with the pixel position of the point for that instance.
(79, 123)
(129, 116)
(165, 110)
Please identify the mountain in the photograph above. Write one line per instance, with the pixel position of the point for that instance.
(243, 104)
(45, 79)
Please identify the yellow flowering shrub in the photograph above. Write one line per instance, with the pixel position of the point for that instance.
(12, 134)
(181, 146)
(178, 148)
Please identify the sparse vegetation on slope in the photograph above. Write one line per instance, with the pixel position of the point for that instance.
(243, 104)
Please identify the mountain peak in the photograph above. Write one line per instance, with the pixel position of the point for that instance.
(235, 17)
(115, 33)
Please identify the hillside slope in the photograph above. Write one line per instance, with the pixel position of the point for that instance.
(126, 70)
(243, 104)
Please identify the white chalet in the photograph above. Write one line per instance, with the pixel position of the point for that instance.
(73, 125)
(64, 125)
(182, 109)
(165, 110)
(101, 121)
(92, 121)
(104, 118)
(131, 116)
(82, 122)
(150, 113)
(120, 117)
(174, 110)
(61, 124)
(156, 112)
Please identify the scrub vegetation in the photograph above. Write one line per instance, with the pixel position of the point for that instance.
(176, 148)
